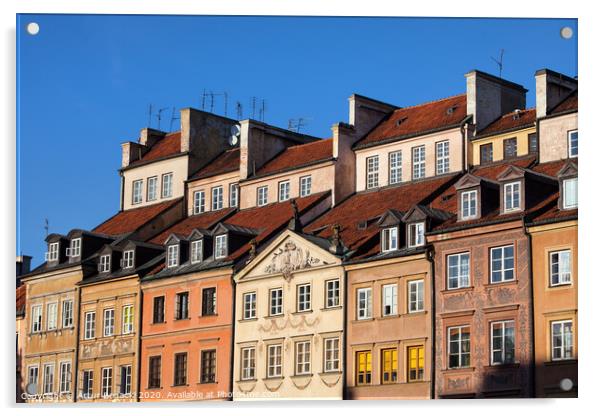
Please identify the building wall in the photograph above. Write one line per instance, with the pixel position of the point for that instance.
(400, 331)
(522, 145)
(455, 156)
(553, 304)
(553, 137)
(207, 185)
(109, 351)
(20, 329)
(176, 165)
(478, 306)
(52, 346)
(193, 335)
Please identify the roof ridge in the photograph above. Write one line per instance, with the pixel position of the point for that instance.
(305, 144)
(430, 102)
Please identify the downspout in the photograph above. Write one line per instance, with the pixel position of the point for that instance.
(345, 329)
(532, 309)
(430, 255)
(538, 143)
(464, 146)
(139, 341)
(232, 343)
(121, 190)
(76, 358)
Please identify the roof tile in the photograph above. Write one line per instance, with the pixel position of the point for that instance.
(511, 121)
(228, 161)
(167, 146)
(298, 156)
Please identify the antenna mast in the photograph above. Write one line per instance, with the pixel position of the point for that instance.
(46, 226)
(499, 62)
(173, 118)
(159, 117)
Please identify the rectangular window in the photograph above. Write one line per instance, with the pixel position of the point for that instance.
(125, 387)
(389, 239)
(363, 368)
(182, 305)
(372, 172)
(32, 375)
(173, 254)
(502, 342)
(167, 185)
(107, 382)
(209, 301)
(198, 206)
(127, 319)
(208, 366)
(233, 195)
(151, 188)
(418, 162)
(442, 157)
(137, 192)
(248, 363)
(105, 263)
(510, 148)
(458, 270)
(502, 264)
(511, 196)
(128, 259)
(217, 198)
(415, 296)
(389, 366)
(67, 313)
(486, 151)
(569, 193)
(75, 247)
(533, 146)
(262, 196)
(249, 302)
(196, 251)
(88, 383)
(180, 368)
(562, 340)
(389, 300)
(154, 372)
(303, 297)
(284, 191)
(53, 252)
(458, 346)
(276, 301)
(275, 360)
(332, 293)
(109, 322)
(573, 144)
(48, 379)
(303, 354)
(364, 303)
(416, 234)
(469, 204)
(331, 354)
(221, 246)
(305, 186)
(415, 363)
(159, 310)
(36, 318)
(89, 325)
(395, 167)
(51, 316)
(560, 267)
(65, 380)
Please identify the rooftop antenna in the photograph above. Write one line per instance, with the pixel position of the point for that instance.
(173, 118)
(46, 226)
(499, 62)
(212, 96)
(253, 104)
(238, 110)
(296, 124)
(150, 114)
(203, 100)
(262, 111)
(159, 117)
(225, 104)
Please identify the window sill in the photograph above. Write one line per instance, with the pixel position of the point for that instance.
(180, 385)
(330, 373)
(159, 323)
(248, 380)
(273, 378)
(385, 317)
(297, 376)
(330, 308)
(567, 361)
(561, 286)
(362, 320)
(302, 312)
(502, 366)
(182, 319)
(501, 284)
(209, 315)
(416, 313)
(207, 382)
(247, 320)
(154, 388)
(458, 369)
(276, 315)
(457, 290)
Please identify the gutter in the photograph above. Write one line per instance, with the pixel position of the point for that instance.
(345, 331)
(532, 311)
(76, 358)
(139, 342)
(430, 256)
(232, 341)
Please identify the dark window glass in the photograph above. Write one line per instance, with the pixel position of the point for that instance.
(486, 153)
(209, 299)
(159, 309)
(179, 377)
(154, 372)
(532, 143)
(182, 305)
(208, 366)
(510, 148)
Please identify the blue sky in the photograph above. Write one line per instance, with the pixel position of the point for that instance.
(85, 83)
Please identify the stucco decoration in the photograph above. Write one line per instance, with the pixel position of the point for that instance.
(330, 380)
(288, 258)
(301, 323)
(272, 385)
(301, 382)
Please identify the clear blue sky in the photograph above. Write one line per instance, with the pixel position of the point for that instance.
(85, 83)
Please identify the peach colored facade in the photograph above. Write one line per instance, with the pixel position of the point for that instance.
(554, 304)
(455, 138)
(206, 185)
(554, 136)
(191, 335)
(497, 141)
(402, 331)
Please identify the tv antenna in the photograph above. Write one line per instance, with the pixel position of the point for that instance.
(296, 124)
(150, 114)
(238, 110)
(159, 117)
(500, 61)
(173, 118)
(262, 111)
(46, 226)
(253, 105)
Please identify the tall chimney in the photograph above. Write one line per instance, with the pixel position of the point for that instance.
(550, 89)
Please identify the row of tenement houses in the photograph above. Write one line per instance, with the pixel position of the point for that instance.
(420, 252)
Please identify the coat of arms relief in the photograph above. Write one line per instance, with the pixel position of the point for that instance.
(289, 258)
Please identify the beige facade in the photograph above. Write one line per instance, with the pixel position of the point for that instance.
(108, 348)
(207, 185)
(554, 136)
(289, 323)
(497, 144)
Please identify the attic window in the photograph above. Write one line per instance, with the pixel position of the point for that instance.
(105, 263)
(512, 197)
(196, 251)
(400, 120)
(172, 255)
(221, 246)
(53, 252)
(128, 259)
(517, 114)
(569, 193)
(451, 110)
(389, 239)
(469, 205)
(75, 249)
(416, 234)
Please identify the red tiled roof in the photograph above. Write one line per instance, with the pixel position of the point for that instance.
(568, 104)
(411, 121)
(369, 206)
(203, 221)
(20, 294)
(167, 146)
(549, 209)
(130, 220)
(298, 156)
(228, 161)
(510, 121)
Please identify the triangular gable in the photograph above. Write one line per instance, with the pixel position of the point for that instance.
(390, 217)
(416, 213)
(569, 169)
(173, 238)
(468, 181)
(197, 234)
(511, 172)
(289, 253)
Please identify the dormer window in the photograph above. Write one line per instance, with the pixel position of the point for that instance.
(105, 263)
(221, 246)
(389, 239)
(172, 255)
(512, 197)
(196, 251)
(53, 252)
(569, 193)
(128, 259)
(416, 234)
(469, 205)
(75, 248)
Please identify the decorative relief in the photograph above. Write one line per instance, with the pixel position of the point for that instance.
(107, 348)
(456, 384)
(330, 380)
(272, 385)
(290, 258)
(301, 323)
(497, 380)
(299, 382)
(246, 390)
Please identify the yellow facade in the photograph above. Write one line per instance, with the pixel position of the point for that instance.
(522, 145)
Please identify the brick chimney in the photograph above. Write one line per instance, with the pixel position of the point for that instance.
(550, 89)
(365, 113)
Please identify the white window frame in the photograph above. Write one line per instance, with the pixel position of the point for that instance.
(90, 325)
(461, 362)
(48, 381)
(274, 360)
(502, 269)
(389, 239)
(198, 204)
(415, 296)
(442, 156)
(416, 234)
(463, 280)
(36, 318)
(196, 251)
(333, 288)
(67, 313)
(563, 340)
(151, 188)
(137, 192)
(565, 271)
(217, 198)
(512, 189)
(53, 252)
(104, 265)
(565, 193)
(52, 312)
(167, 185)
(419, 162)
(276, 301)
(470, 198)
(284, 191)
(364, 311)
(75, 247)
(262, 195)
(304, 297)
(125, 388)
(127, 319)
(108, 319)
(570, 147)
(247, 363)
(305, 186)
(502, 349)
(389, 299)
(128, 259)
(221, 246)
(65, 377)
(372, 167)
(302, 357)
(88, 389)
(395, 167)
(33, 375)
(106, 382)
(173, 255)
(249, 303)
(233, 195)
(332, 355)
